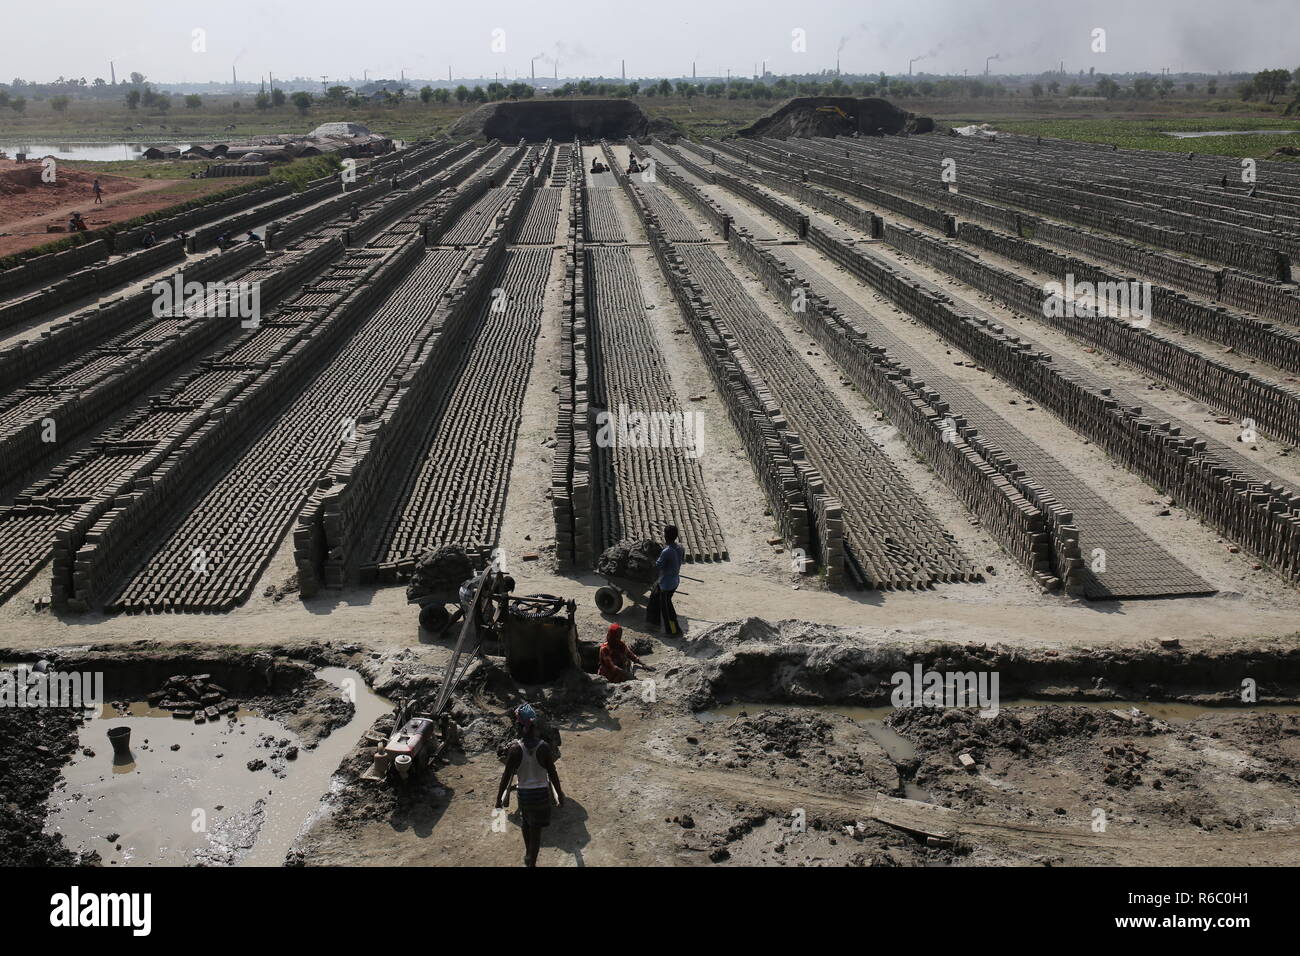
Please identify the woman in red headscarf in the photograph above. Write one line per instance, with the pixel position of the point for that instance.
(616, 658)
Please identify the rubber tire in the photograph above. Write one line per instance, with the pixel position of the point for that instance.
(434, 618)
(609, 599)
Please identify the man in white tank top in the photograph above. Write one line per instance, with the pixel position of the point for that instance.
(531, 759)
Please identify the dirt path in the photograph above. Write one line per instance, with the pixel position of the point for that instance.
(25, 215)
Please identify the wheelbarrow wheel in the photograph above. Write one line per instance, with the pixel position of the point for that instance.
(609, 599)
(434, 618)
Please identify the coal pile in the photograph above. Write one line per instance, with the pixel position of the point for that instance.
(563, 119)
(808, 116)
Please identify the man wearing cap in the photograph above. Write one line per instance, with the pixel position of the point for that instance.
(616, 658)
(530, 758)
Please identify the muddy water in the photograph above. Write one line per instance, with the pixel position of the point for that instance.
(200, 803)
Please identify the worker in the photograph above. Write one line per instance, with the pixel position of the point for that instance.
(148, 240)
(669, 564)
(76, 223)
(99, 193)
(253, 237)
(530, 758)
(617, 659)
(354, 212)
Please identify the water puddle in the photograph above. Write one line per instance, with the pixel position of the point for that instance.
(1232, 132)
(186, 795)
(92, 152)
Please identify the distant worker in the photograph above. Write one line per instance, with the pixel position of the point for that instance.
(669, 564)
(531, 759)
(76, 223)
(148, 240)
(253, 237)
(223, 242)
(355, 212)
(617, 660)
(99, 193)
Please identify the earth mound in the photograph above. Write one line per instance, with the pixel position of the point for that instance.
(805, 116)
(536, 121)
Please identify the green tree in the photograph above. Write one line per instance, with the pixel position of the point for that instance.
(137, 78)
(337, 94)
(262, 101)
(1108, 88)
(132, 99)
(277, 97)
(665, 88)
(193, 101)
(462, 93)
(302, 102)
(426, 94)
(442, 94)
(18, 104)
(1036, 90)
(1270, 83)
(59, 103)
(162, 103)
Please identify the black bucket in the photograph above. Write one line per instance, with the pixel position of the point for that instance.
(120, 738)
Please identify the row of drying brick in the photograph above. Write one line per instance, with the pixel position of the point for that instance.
(373, 479)
(1178, 464)
(220, 402)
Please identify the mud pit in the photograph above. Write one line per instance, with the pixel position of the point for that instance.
(773, 744)
(226, 791)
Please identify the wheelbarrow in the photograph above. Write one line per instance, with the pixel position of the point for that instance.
(610, 595)
(438, 615)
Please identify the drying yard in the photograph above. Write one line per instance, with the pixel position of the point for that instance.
(893, 411)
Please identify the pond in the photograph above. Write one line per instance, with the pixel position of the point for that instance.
(91, 152)
(1233, 132)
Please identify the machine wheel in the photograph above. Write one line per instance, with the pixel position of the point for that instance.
(434, 618)
(609, 599)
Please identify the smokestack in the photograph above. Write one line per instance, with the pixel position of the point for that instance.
(112, 72)
(837, 66)
(692, 69)
(622, 64)
(532, 66)
(449, 74)
(234, 81)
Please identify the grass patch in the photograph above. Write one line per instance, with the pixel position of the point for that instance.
(1153, 133)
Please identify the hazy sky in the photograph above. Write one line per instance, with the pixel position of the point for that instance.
(42, 39)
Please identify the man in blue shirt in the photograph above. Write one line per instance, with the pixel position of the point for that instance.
(669, 564)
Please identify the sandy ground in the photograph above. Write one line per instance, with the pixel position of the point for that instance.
(29, 205)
